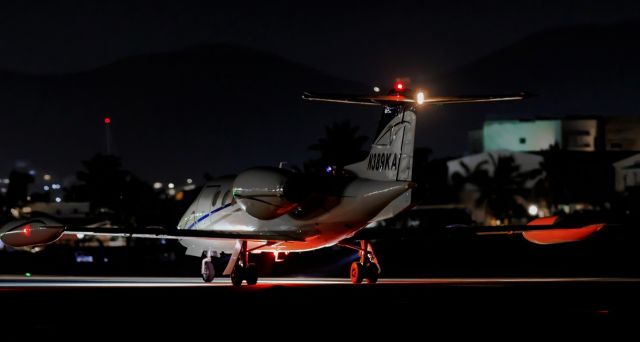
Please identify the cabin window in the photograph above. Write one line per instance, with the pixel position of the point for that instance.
(215, 198)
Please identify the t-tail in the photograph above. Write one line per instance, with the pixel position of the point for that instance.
(391, 154)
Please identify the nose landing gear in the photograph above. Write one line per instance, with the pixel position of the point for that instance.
(207, 269)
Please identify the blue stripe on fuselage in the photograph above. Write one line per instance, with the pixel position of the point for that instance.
(204, 217)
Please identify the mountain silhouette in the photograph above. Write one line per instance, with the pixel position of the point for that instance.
(589, 70)
(214, 108)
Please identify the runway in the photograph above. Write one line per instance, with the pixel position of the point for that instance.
(146, 305)
(43, 282)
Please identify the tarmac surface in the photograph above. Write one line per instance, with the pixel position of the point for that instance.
(51, 305)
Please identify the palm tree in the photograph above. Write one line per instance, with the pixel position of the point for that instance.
(498, 193)
(341, 146)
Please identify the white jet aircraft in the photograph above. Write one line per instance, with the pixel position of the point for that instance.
(268, 209)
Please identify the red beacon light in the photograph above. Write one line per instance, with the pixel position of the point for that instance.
(107, 120)
(399, 86)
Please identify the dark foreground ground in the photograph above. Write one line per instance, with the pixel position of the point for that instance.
(79, 308)
(480, 287)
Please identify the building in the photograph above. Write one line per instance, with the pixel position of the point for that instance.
(571, 134)
(627, 173)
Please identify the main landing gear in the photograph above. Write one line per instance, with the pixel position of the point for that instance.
(367, 268)
(243, 270)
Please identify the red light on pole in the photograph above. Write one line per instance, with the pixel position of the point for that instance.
(107, 120)
(399, 86)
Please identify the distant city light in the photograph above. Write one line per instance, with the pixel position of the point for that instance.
(157, 185)
(376, 89)
(58, 199)
(3, 190)
(179, 196)
(55, 186)
(5, 181)
(32, 172)
(171, 192)
(46, 177)
(533, 210)
(46, 188)
(107, 120)
(189, 180)
(171, 185)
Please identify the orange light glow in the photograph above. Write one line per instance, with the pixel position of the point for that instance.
(543, 221)
(561, 235)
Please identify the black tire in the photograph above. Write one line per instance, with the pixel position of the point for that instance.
(251, 274)
(372, 273)
(208, 272)
(357, 273)
(237, 276)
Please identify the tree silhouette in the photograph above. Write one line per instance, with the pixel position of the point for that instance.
(109, 188)
(341, 146)
(18, 188)
(498, 193)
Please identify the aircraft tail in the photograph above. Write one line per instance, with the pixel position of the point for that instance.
(391, 154)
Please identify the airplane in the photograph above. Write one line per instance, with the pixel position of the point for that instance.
(269, 209)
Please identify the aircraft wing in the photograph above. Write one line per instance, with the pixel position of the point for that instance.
(31, 232)
(401, 98)
(542, 231)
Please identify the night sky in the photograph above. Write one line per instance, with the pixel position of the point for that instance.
(352, 40)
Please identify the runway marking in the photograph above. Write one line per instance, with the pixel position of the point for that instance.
(9, 282)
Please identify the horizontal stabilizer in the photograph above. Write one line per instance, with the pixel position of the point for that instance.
(411, 98)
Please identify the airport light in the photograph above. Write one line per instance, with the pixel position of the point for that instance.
(171, 186)
(420, 98)
(46, 188)
(157, 185)
(46, 177)
(533, 210)
(189, 180)
(376, 89)
(58, 199)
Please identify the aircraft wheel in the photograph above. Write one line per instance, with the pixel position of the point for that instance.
(373, 273)
(251, 274)
(357, 273)
(208, 272)
(237, 276)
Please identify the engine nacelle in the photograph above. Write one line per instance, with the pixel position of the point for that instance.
(261, 192)
(30, 233)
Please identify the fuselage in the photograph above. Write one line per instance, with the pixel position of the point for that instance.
(334, 218)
